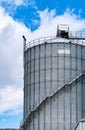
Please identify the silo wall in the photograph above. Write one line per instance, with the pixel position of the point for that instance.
(47, 68)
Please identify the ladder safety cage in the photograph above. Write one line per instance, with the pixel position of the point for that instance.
(63, 31)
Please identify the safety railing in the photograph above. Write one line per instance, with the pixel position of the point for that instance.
(68, 81)
(38, 41)
(79, 36)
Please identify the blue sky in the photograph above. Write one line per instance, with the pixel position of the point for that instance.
(33, 18)
(28, 11)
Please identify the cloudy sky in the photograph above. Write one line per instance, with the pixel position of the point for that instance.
(34, 19)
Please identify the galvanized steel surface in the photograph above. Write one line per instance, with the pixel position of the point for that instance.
(47, 67)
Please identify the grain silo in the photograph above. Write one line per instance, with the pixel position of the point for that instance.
(54, 81)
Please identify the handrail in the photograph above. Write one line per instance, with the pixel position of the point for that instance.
(81, 120)
(73, 35)
(38, 41)
(73, 79)
(77, 34)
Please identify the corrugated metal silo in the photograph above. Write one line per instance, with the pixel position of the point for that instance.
(54, 83)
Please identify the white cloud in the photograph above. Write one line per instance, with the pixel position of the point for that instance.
(49, 22)
(11, 61)
(15, 2)
(11, 46)
(11, 99)
(19, 2)
(11, 51)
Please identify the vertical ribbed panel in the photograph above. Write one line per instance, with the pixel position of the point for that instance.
(83, 96)
(67, 107)
(46, 68)
(79, 100)
(54, 110)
